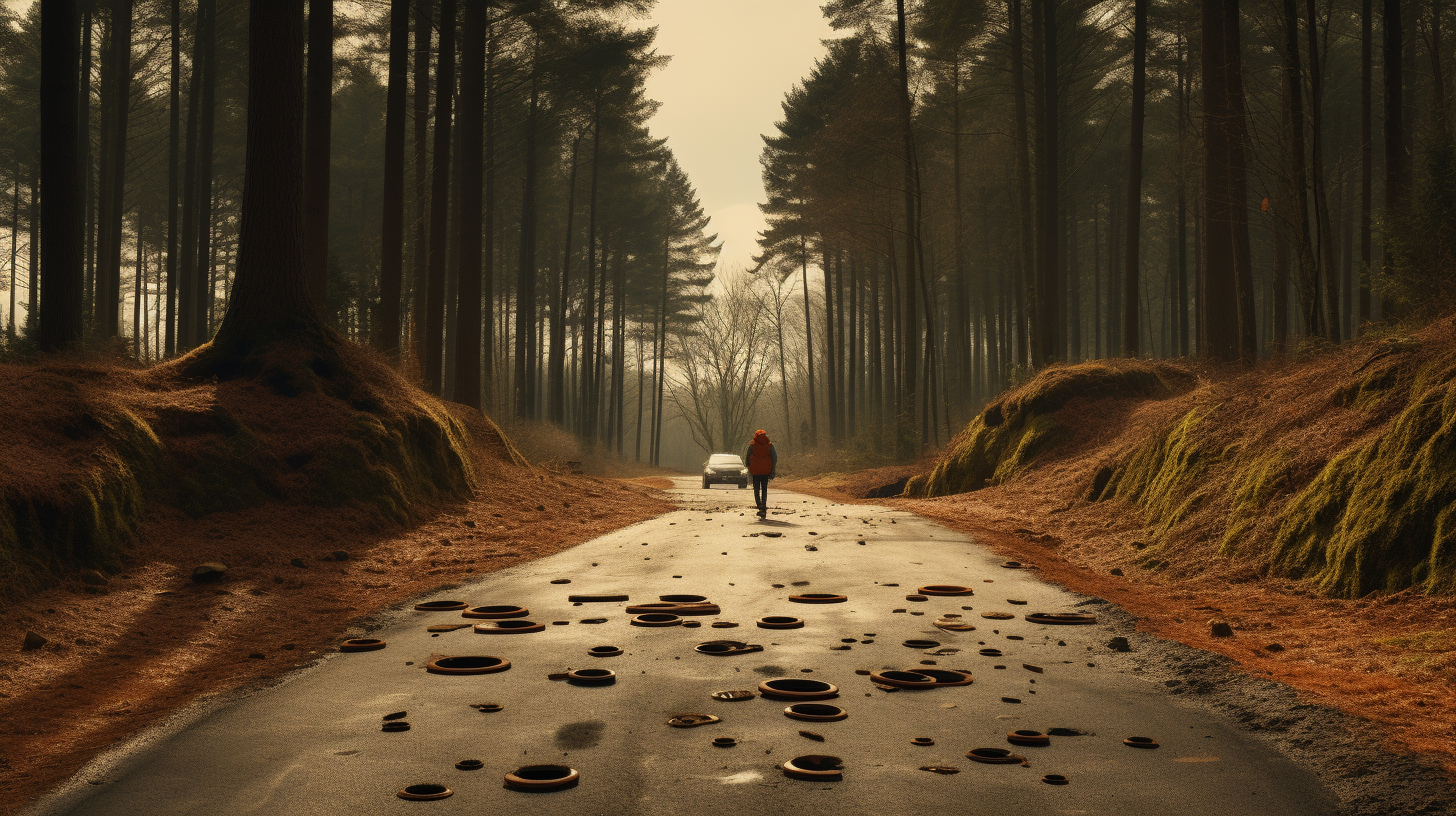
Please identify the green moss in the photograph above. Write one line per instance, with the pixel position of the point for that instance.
(1381, 516)
(1166, 476)
(1257, 483)
(1010, 433)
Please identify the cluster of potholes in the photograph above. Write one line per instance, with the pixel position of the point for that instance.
(805, 696)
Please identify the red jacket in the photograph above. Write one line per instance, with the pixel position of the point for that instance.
(762, 458)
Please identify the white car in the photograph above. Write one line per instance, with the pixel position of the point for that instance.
(725, 468)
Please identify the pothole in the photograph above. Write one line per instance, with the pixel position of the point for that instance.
(692, 720)
(997, 615)
(903, 679)
(656, 619)
(591, 677)
(819, 712)
(947, 677)
(922, 741)
(733, 696)
(724, 742)
(921, 644)
(469, 765)
(362, 645)
(542, 777)
(726, 647)
(1030, 739)
(994, 756)
(604, 651)
(508, 627)
(945, 589)
(608, 598)
(467, 664)
(798, 688)
(780, 622)
(424, 793)
(1140, 742)
(1062, 618)
(682, 598)
(440, 606)
(394, 726)
(818, 598)
(816, 767)
(670, 608)
(497, 611)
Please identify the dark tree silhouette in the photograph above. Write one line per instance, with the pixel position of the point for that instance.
(434, 293)
(391, 264)
(471, 120)
(1132, 260)
(61, 208)
(318, 129)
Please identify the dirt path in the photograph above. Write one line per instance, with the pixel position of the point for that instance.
(314, 742)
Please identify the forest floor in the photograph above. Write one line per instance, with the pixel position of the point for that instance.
(127, 654)
(1385, 658)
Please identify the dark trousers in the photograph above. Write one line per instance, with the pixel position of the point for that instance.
(760, 491)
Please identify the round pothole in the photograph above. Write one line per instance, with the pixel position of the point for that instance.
(440, 606)
(780, 622)
(726, 647)
(815, 767)
(508, 627)
(945, 589)
(467, 664)
(682, 598)
(424, 793)
(817, 598)
(1061, 618)
(997, 615)
(947, 677)
(692, 720)
(903, 679)
(1054, 779)
(724, 742)
(994, 756)
(595, 598)
(1140, 742)
(921, 644)
(656, 619)
(990, 652)
(818, 712)
(496, 611)
(487, 708)
(542, 777)
(796, 687)
(591, 677)
(470, 765)
(394, 726)
(362, 645)
(922, 741)
(916, 598)
(1030, 739)
(604, 651)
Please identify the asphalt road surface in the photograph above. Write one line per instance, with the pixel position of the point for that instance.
(313, 744)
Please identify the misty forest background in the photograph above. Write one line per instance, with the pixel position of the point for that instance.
(960, 193)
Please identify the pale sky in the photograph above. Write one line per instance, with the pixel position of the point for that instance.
(732, 63)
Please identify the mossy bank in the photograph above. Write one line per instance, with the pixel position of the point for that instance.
(1339, 470)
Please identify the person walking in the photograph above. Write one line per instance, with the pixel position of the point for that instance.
(763, 460)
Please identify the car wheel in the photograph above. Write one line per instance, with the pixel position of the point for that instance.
(742, 485)
(705, 484)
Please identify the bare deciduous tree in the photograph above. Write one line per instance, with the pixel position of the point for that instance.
(724, 366)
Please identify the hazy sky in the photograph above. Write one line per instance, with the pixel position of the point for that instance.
(732, 62)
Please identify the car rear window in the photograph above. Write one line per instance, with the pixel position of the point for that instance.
(724, 459)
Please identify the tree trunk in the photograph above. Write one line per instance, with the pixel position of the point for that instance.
(1366, 157)
(1220, 324)
(422, 178)
(526, 271)
(1238, 135)
(440, 203)
(588, 419)
(813, 441)
(174, 147)
(1132, 257)
(187, 263)
(556, 366)
(1396, 166)
(472, 127)
(270, 295)
(391, 261)
(1047, 306)
(317, 133)
(109, 273)
(64, 251)
(88, 296)
(1324, 232)
(487, 274)
(207, 33)
(831, 383)
(906, 442)
(1026, 222)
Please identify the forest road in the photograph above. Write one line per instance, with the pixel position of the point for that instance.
(313, 744)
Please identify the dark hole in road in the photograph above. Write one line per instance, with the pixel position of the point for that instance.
(579, 735)
(422, 793)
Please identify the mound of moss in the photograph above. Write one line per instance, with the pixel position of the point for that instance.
(324, 423)
(1010, 432)
(1381, 516)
